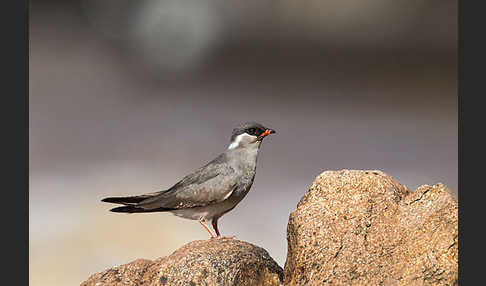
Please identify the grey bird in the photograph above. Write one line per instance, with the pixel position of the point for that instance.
(210, 191)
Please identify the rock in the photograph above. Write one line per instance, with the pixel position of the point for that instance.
(203, 262)
(364, 228)
(350, 228)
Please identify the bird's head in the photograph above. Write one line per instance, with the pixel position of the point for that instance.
(249, 134)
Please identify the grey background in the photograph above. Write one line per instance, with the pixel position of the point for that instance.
(127, 97)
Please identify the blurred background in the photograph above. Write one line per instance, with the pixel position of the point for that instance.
(127, 97)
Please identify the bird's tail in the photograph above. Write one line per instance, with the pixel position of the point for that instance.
(135, 209)
(125, 200)
(133, 204)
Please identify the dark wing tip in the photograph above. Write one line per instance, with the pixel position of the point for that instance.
(125, 200)
(110, 200)
(124, 209)
(134, 209)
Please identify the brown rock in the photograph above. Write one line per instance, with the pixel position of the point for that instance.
(202, 262)
(364, 228)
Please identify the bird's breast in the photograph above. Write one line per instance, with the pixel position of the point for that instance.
(244, 184)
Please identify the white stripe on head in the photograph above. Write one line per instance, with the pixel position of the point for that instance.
(242, 138)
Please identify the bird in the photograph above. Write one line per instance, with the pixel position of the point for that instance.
(210, 191)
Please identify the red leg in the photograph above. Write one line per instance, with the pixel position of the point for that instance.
(215, 226)
(214, 222)
(203, 223)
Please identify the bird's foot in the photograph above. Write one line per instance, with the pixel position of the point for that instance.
(224, 237)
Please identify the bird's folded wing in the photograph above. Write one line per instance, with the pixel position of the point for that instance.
(207, 185)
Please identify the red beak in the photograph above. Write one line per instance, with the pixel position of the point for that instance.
(267, 132)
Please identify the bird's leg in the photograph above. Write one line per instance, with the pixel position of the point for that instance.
(214, 222)
(203, 223)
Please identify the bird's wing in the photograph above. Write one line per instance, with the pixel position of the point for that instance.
(209, 184)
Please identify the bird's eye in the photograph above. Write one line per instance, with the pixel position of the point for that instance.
(252, 131)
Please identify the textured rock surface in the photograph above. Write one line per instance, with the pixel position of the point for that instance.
(203, 262)
(364, 228)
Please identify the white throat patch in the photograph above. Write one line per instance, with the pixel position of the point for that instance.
(242, 138)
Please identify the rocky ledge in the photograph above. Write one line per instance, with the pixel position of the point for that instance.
(350, 228)
(202, 262)
(364, 228)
